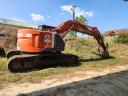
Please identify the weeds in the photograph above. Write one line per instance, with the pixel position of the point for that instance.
(78, 46)
(122, 38)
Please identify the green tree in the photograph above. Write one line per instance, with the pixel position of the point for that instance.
(71, 33)
(81, 19)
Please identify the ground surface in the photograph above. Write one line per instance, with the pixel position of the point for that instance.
(93, 77)
(95, 82)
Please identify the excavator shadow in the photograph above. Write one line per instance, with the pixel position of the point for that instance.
(112, 84)
(95, 59)
(59, 65)
(65, 65)
(52, 65)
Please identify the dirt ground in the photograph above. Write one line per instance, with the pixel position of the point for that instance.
(112, 81)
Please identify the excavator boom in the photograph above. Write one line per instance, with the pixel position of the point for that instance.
(74, 25)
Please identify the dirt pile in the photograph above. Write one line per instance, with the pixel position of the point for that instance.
(7, 38)
(7, 43)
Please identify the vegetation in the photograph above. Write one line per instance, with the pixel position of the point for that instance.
(71, 33)
(79, 46)
(81, 19)
(122, 38)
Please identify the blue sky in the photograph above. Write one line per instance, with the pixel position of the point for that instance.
(105, 14)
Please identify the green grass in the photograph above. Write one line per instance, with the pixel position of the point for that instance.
(80, 47)
(122, 38)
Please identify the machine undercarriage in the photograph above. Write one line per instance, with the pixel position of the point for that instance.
(21, 62)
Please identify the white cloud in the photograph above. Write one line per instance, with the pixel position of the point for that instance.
(89, 14)
(49, 16)
(78, 11)
(20, 20)
(66, 8)
(37, 17)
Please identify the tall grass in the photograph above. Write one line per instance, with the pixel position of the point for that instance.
(81, 47)
(122, 38)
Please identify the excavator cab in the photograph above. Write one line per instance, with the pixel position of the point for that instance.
(45, 27)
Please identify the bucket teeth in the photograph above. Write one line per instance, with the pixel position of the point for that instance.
(101, 54)
(96, 53)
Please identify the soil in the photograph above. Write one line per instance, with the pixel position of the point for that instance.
(112, 81)
(8, 37)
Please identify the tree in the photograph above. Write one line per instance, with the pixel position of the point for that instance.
(71, 33)
(81, 19)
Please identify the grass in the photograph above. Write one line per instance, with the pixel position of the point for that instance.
(122, 38)
(80, 47)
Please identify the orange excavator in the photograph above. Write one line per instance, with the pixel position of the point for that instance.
(42, 47)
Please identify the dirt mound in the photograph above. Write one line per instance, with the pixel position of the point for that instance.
(8, 37)
(7, 43)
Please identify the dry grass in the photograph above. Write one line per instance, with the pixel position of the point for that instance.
(81, 47)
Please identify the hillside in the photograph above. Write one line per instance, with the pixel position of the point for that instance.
(117, 31)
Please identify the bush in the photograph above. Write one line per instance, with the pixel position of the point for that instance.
(122, 38)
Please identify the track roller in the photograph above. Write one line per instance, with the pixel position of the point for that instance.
(22, 63)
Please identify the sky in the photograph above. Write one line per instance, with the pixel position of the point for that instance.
(104, 14)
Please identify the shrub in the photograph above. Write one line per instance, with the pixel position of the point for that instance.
(122, 38)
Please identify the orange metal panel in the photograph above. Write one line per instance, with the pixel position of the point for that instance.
(30, 40)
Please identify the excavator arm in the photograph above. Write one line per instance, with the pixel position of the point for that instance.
(74, 25)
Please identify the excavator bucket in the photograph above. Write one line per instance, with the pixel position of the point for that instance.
(102, 53)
